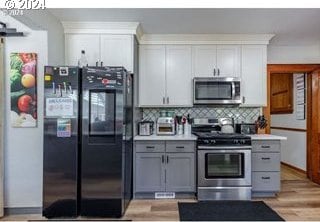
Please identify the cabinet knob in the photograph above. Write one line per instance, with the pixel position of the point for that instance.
(243, 99)
(214, 72)
(163, 100)
(168, 100)
(218, 72)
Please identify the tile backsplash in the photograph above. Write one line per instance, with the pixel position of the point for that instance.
(240, 114)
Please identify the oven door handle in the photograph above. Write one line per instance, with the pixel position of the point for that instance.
(217, 148)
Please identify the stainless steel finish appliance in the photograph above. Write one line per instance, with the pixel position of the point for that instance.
(246, 128)
(145, 128)
(88, 141)
(166, 126)
(224, 164)
(216, 90)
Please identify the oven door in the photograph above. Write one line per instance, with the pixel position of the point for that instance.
(216, 91)
(221, 168)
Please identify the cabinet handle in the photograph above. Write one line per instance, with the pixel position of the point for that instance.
(163, 100)
(101, 64)
(243, 99)
(265, 158)
(150, 147)
(167, 159)
(214, 72)
(97, 63)
(180, 147)
(218, 72)
(265, 178)
(168, 100)
(162, 158)
(265, 147)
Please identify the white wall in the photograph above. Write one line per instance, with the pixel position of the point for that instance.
(294, 150)
(23, 146)
(44, 20)
(293, 54)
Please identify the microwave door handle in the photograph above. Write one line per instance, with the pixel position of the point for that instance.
(233, 90)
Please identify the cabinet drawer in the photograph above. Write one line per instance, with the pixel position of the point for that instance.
(265, 181)
(265, 161)
(180, 146)
(266, 146)
(150, 146)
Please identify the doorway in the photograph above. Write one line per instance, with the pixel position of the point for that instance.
(312, 129)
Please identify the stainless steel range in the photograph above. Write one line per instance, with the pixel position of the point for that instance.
(224, 162)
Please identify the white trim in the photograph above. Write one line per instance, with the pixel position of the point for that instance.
(168, 39)
(102, 27)
(134, 28)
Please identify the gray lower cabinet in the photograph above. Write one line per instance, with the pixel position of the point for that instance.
(150, 172)
(180, 172)
(265, 168)
(164, 166)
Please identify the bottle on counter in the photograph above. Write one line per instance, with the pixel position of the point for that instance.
(82, 62)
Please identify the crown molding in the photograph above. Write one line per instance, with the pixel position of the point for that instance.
(134, 28)
(102, 28)
(206, 39)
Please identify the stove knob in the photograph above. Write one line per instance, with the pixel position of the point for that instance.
(236, 141)
(243, 141)
(213, 141)
(206, 141)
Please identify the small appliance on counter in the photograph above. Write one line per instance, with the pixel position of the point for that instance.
(227, 125)
(246, 128)
(146, 127)
(166, 126)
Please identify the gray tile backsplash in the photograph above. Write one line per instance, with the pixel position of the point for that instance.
(240, 114)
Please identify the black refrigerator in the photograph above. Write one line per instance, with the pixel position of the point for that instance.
(88, 141)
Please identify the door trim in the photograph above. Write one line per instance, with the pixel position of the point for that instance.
(2, 113)
(296, 68)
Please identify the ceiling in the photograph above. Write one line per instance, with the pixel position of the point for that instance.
(290, 26)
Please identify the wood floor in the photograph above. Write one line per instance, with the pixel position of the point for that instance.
(299, 199)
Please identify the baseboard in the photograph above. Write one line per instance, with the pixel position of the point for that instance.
(22, 210)
(295, 168)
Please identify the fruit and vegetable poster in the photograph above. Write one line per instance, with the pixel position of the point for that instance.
(23, 89)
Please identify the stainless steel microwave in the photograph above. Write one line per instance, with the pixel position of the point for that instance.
(216, 90)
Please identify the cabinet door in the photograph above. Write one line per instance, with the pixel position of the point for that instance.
(74, 43)
(204, 60)
(281, 98)
(254, 75)
(152, 75)
(149, 172)
(117, 50)
(228, 60)
(180, 172)
(178, 76)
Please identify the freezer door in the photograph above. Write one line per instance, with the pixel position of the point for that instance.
(60, 142)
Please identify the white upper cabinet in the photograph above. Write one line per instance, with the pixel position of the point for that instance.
(74, 43)
(178, 75)
(152, 70)
(117, 50)
(216, 60)
(228, 60)
(112, 50)
(204, 60)
(165, 76)
(253, 75)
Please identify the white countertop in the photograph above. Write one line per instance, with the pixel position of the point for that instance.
(267, 137)
(163, 137)
(193, 137)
